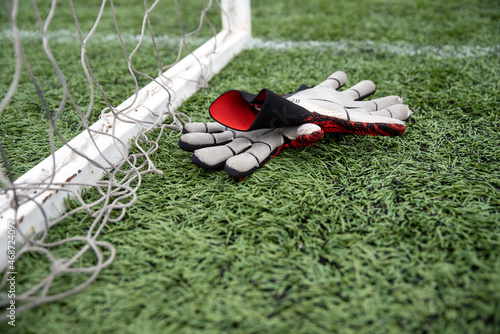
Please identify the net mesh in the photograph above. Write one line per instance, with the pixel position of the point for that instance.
(141, 49)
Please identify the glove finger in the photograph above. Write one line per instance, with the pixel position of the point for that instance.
(203, 127)
(363, 116)
(398, 111)
(195, 140)
(335, 80)
(380, 103)
(211, 157)
(215, 156)
(244, 164)
(361, 90)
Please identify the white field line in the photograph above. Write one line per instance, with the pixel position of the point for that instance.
(71, 37)
(337, 47)
(399, 49)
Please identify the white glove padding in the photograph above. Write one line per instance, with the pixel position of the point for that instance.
(333, 111)
(241, 153)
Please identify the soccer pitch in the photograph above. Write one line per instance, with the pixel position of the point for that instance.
(352, 235)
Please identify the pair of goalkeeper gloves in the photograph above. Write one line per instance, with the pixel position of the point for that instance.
(251, 129)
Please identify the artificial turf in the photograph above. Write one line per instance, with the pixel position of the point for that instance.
(353, 235)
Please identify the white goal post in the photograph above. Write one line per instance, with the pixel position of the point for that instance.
(73, 171)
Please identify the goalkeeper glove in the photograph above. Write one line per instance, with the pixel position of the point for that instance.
(324, 105)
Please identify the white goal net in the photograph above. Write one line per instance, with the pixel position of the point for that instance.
(189, 42)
